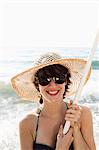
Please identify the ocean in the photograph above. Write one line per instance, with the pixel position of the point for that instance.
(13, 108)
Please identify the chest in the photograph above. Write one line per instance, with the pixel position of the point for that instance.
(47, 131)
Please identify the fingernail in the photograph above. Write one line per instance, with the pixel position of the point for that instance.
(71, 102)
(77, 107)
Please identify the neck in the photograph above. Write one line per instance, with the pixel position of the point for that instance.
(54, 110)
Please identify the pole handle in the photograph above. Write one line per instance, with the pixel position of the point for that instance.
(81, 84)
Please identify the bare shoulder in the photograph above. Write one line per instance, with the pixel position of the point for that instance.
(29, 119)
(85, 110)
(28, 124)
(86, 115)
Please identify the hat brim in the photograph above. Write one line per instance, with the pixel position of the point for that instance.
(25, 88)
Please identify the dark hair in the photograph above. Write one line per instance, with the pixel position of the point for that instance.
(51, 71)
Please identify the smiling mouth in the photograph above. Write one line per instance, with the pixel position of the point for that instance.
(53, 93)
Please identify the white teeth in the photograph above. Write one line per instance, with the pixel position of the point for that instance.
(52, 92)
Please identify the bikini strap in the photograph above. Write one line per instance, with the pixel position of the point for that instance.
(38, 112)
(37, 125)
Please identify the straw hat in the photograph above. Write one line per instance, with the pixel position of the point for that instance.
(23, 82)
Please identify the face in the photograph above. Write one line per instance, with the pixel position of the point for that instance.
(52, 92)
(52, 82)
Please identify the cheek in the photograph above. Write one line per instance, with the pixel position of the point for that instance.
(64, 86)
(41, 89)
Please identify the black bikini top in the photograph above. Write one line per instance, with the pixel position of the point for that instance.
(40, 146)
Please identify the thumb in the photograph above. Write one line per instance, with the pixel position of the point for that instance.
(70, 135)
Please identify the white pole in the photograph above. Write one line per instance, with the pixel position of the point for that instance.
(86, 70)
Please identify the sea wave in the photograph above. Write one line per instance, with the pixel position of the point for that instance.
(89, 94)
(95, 64)
(6, 89)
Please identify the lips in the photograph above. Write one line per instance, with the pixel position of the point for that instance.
(52, 93)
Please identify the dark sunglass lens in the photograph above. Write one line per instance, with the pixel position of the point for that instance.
(60, 80)
(43, 81)
(46, 80)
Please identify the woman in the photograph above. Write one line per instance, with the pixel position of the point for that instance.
(50, 81)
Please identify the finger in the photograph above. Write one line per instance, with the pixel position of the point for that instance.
(74, 113)
(69, 111)
(60, 133)
(75, 107)
(68, 138)
(69, 134)
(70, 131)
(73, 116)
(70, 103)
(69, 116)
(72, 120)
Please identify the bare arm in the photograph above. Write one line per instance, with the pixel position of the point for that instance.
(81, 121)
(84, 139)
(26, 134)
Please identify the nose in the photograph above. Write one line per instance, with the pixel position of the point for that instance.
(52, 83)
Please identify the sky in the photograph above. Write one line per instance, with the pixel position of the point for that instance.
(65, 23)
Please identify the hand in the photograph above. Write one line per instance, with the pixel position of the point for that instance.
(64, 140)
(73, 114)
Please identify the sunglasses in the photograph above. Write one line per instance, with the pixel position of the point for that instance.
(46, 80)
